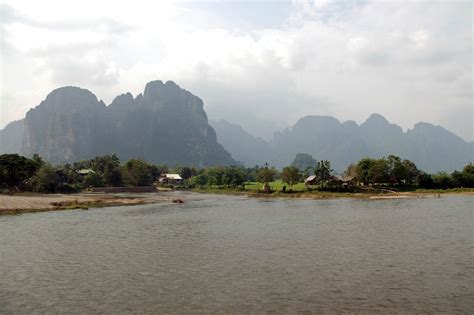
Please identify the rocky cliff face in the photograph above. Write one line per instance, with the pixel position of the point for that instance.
(11, 137)
(65, 127)
(164, 125)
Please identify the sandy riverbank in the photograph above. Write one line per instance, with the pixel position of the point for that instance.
(316, 195)
(20, 203)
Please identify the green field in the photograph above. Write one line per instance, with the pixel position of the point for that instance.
(275, 185)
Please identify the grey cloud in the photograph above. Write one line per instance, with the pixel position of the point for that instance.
(74, 71)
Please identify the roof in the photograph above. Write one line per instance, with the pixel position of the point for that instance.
(339, 178)
(85, 171)
(310, 179)
(173, 176)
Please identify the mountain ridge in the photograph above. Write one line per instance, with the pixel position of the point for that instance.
(168, 124)
(165, 124)
(431, 147)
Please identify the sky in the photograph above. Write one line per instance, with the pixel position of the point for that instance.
(256, 63)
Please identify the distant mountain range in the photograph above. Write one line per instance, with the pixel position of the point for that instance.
(432, 148)
(167, 124)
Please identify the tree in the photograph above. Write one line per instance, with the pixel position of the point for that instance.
(46, 180)
(442, 180)
(38, 159)
(199, 180)
(464, 178)
(93, 179)
(425, 180)
(411, 172)
(468, 175)
(15, 170)
(185, 172)
(351, 170)
(214, 176)
(396, 170)
(107, 167)
(379, 172)
(291, 176)
(233, 176)
(137, 173)
(266, 175)
(323, 171)
(363, 168)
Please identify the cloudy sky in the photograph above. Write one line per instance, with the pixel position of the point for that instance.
(275, 61)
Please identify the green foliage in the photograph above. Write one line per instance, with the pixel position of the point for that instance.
(362, 170)
(425, 180)
(391, 170)
(138, 173)
(35, 174)
(442, 180)
(379, 171)
(107, 167)
(323, 171)
(15, 170)
(291, 176)
(46, 180)
(185, 172)
(214, 176)
(38, 159)
(199, 180)
(233, 177)
(266, 175)
(93, 179)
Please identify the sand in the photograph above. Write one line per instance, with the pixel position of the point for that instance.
(45, 202)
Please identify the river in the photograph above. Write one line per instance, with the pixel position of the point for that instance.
(230, 254)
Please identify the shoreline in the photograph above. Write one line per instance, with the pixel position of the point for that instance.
(32, 202)
(328, 195)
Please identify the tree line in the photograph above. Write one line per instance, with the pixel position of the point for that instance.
(19, 173)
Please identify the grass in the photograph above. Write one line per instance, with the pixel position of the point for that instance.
(275, 186)
(300, 191)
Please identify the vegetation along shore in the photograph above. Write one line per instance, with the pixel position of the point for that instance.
(32, 184)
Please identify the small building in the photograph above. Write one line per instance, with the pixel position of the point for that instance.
(341, 181)
(85, 171)
(172, 179)
(311, 181)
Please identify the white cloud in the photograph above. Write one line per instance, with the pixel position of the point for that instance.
(410, 61)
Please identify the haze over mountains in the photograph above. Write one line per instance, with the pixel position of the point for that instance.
(167, 124)
(432, 148)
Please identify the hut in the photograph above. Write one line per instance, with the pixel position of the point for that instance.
(85, 171)
(311, 181)
(171, 179)
(341, 181)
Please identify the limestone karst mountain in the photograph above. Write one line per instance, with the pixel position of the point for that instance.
(432, 148)
(165, 124)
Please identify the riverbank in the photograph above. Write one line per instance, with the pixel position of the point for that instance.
(28, 202)
(316, 194)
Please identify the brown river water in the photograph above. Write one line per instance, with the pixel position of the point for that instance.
(231, 254)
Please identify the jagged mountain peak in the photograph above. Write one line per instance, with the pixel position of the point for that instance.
(165, 125)
(377, 122)
(122, 100)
